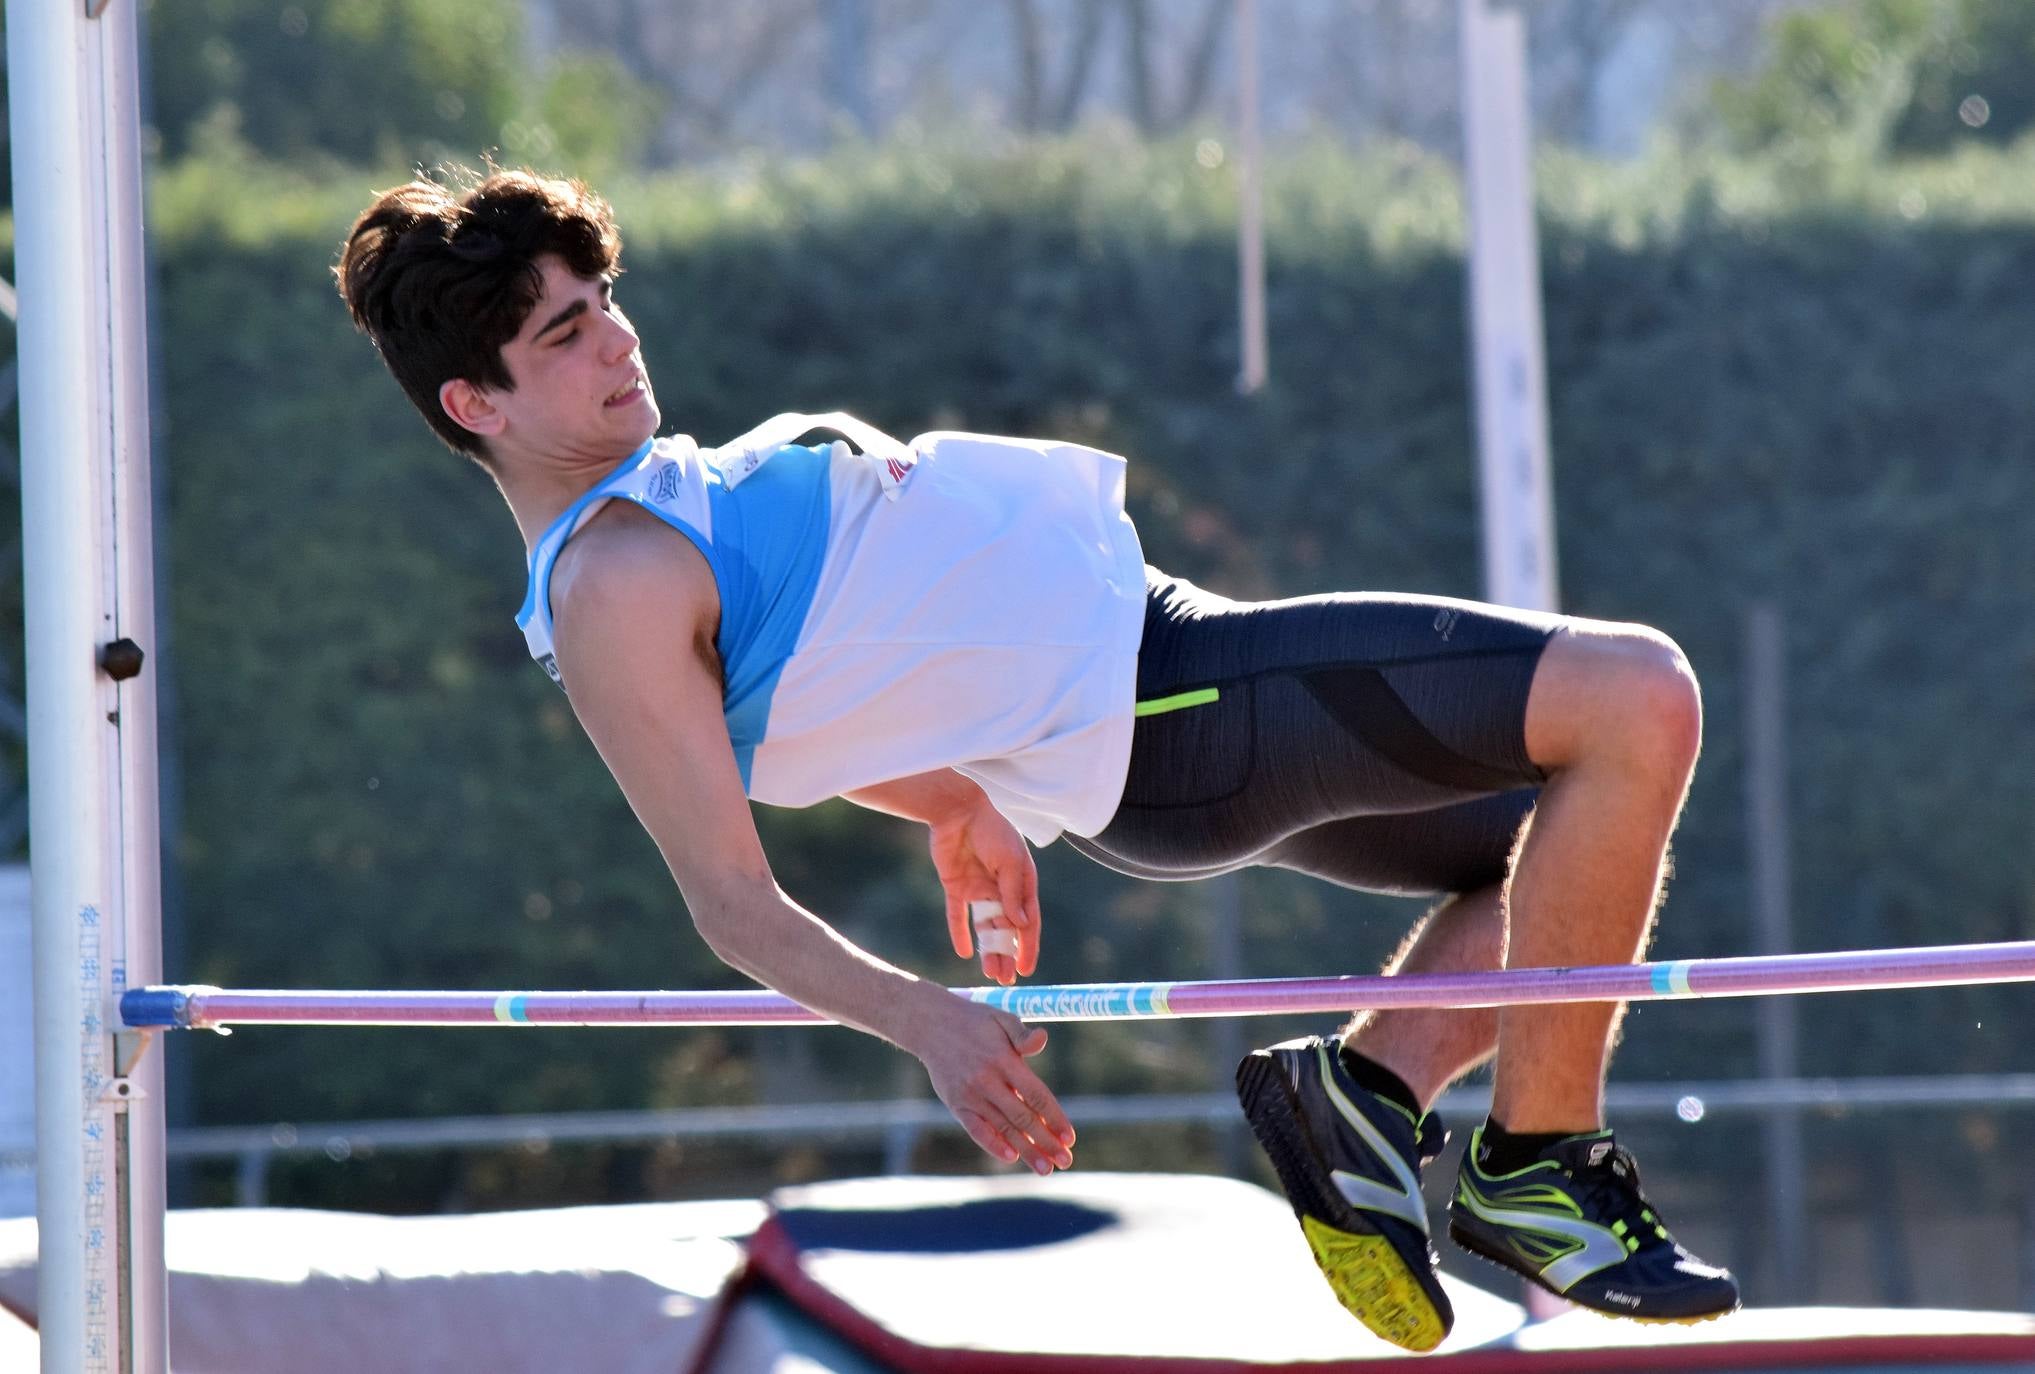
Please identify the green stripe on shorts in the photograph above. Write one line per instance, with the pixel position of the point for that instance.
(1179, 701)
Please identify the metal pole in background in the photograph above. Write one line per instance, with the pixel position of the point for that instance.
(1505, 320)
(1505, 326)
(1254, 350)
(85, 507)
(848, 26)
(1767, 840)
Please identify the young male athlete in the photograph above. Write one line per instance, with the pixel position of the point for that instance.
(964, 632)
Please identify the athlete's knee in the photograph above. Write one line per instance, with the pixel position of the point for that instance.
(1664, 704)
(1609, 688)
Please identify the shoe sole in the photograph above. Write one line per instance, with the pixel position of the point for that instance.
(1472, 1245)
(1367, 1274)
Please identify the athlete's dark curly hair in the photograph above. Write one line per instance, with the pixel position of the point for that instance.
(440, 277)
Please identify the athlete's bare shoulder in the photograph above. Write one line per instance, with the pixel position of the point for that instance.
(628, 560)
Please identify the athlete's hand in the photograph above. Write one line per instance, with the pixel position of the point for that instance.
(976, 1060)
(981, 857)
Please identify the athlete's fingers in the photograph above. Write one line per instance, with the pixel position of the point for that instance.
(1026, 1040)
(1010, 892)
(1026, 1133)
(1010, 886)
(1040, 1102)
(959, 928)
(987, 1134)
(1030, 1153)
(1029, 903)
(1001, 1122)
(1045, 1109)
(1053, 1120)
(995, 941)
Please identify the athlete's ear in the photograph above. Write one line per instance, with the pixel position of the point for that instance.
(470, 408)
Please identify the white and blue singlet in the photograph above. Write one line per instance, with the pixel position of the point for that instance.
(965, 602)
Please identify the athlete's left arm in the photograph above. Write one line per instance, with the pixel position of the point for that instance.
(979, 856)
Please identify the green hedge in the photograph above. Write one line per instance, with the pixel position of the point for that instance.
(1766, 385)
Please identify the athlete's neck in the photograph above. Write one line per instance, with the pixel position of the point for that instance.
(540, 490)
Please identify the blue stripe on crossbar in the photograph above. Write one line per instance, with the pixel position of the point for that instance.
(1096, 1000)
(1671, 979)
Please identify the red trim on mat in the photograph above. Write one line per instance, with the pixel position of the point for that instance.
(775, 1256)
(27, 1319)
(731, 1293)
(1867, 1351)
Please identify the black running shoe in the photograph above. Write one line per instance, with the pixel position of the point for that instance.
(1349, 1161)
(1575, 1222)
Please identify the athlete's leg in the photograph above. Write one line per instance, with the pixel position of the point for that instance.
(1427, 1047)
(1375, 741)
(1615, 718)
(1278, 720)
(1431, 1047)
(1464, 849)
(1352, 710)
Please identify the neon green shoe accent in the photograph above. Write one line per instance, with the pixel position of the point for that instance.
(1372, 1281)
(1547, 1232)
(1179, 701)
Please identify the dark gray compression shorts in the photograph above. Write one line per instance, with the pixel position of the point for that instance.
(1376, 741)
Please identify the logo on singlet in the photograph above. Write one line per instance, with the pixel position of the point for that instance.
(665, 485)
(1445, 623)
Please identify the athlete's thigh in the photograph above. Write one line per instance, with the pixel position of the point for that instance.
(1456, 848)
(1263, 720)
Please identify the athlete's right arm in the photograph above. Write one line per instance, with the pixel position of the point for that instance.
(634, 639)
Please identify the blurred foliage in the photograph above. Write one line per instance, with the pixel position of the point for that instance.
(1905, 76)
(1807, 391)
(591, 115)
(395, 82)
(355, 80)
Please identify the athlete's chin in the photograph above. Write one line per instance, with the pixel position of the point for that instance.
(638, 420)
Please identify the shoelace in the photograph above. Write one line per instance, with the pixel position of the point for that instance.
(1613, 1184)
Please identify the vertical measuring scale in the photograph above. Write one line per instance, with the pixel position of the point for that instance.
(89, 615)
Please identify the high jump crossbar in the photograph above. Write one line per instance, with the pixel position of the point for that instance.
(209, 1008)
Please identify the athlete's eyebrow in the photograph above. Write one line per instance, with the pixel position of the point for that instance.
(571, 312)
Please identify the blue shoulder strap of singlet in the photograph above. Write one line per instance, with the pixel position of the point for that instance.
(534, 619)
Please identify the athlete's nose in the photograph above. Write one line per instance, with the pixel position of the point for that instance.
(621, 338)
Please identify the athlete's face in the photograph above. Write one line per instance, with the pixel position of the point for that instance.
(581, 388)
